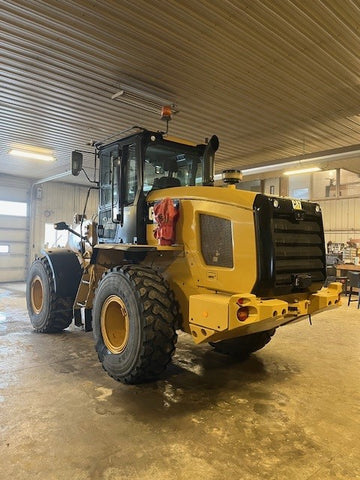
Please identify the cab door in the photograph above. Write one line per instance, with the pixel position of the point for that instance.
(122, 201)
(125, 193)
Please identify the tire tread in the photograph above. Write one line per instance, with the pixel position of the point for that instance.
(159, 311)
(60, 309)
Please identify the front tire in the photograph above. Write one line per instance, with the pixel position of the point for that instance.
(242, 347)
(48, 313)
(134, 318)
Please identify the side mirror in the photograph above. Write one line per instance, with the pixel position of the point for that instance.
(76, 162)
(214, 143)
(61, 226)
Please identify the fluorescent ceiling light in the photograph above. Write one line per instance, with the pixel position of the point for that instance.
(263, 169)
(146, 100)
(275, 166)
(324, 156)
(302, 170)
(31, 154)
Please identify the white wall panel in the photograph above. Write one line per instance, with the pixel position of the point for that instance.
(58, 202)
(12, 262)
(16, 248)
(14, 231)
(13, 235)
(272, 182)
(9, 222)
(341, 219)
(14, 188)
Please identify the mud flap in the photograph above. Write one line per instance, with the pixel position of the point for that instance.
(66, 271)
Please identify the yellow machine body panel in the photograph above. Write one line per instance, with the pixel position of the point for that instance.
(213, 317)
(235, 206)
(208, 294)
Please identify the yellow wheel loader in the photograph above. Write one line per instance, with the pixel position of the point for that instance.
(172, 251)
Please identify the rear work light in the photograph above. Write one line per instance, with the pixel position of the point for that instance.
(242, 314)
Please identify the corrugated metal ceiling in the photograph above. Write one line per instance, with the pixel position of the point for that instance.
(273, 79)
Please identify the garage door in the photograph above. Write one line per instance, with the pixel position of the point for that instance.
(14, 229)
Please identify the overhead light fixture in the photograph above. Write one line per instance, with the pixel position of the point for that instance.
(263, 169)
(318, 157)
(149, 101)
(302, 170)
(33, 153)
(274, 167)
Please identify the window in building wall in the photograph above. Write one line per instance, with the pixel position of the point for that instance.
(299, 186)
(349, 183)
(16, 209)
(301, 193)
(308, 186)
(272, 186)
(324, 184)
(4, 249)
(55, 238)
(252, 186)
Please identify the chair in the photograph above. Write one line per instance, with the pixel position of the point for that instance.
(332, 277)
(354, 282)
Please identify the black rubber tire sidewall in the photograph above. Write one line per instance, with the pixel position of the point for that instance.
(242, 347)
(121, 365)
(56, 313)
(40, 320)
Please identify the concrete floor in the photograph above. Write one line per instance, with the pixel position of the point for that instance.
(291, 411)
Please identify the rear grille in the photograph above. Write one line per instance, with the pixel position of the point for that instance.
(290, 245)
(298, 250)
(216, 241)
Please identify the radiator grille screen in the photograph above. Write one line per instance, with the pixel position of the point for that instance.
(298, 249)
(290, 246)
(216, 241)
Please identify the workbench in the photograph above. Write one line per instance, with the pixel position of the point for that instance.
(343, 268)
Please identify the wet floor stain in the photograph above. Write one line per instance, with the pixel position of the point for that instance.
(289, 411)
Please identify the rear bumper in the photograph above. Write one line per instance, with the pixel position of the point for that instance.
(213, 317)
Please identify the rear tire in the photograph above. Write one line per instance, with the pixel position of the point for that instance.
(242, 347)
(134, 318)
(48, 313)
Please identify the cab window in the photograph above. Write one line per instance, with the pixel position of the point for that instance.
(171, 164)
(131, 175)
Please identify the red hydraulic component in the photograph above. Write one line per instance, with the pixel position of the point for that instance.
(166, 215)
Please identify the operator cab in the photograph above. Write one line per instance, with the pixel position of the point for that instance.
(132, 167)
